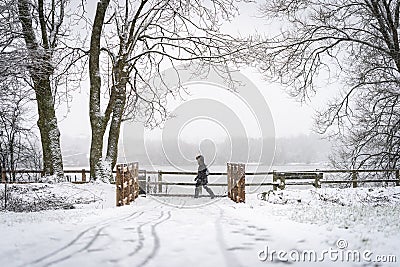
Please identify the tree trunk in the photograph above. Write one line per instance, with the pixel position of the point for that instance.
(116, 120)
(98, 121)
(11, 152)
(40, 69)
(44, 140)
(97, 164)
(50, 135)
(119, 89)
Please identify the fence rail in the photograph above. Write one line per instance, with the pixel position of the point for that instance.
(82, 174)
(354, 179)
(274, 171)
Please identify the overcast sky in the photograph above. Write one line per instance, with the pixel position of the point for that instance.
(290, 118)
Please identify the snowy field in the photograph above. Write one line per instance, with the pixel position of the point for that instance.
(317, 227)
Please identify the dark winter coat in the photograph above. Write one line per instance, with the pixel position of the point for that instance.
(201, 178)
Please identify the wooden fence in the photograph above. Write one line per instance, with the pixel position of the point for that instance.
(280, 180)
(159, 187)
(127, 183)
(300, 178)
(82, 177)
(354, 180)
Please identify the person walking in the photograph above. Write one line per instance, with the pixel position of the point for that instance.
(201, 178)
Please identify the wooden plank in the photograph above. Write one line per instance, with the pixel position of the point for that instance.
(300, 183)
(184, 183)
(236, 181)
(242, 182)
(77, 171)
(262, 184)
(228, 179)
(182, 195)
(308, 177)
(358, 181)
(377, 181)
(222, 173)
(118, 186)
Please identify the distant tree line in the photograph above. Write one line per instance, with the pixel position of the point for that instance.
(303, 149)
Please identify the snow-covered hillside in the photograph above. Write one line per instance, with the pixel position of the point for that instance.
(90, 231)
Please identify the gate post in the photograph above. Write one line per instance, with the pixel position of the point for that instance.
(119, 181)
(274, 179)
(236, 182)
(83, 175)
(135, 180)
(159, 181)
(318, 178)
(126, 182)
(241, 183)
(354, 178)
(228, 178)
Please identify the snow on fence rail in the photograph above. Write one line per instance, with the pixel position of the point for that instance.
(35, 175)
(354, 176)
(280, 180)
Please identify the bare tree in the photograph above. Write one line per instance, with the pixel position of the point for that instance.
(18, 141)
(140, 39)
(354, 44)
(35, 48)
(98, 120)
(39, 54)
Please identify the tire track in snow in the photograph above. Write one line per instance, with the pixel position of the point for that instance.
(229, 256)
(72, 242)
(103, 225)
(156, 239)
(87, 246)
(141, 237)
(154, 222)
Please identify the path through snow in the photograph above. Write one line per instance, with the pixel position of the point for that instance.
(182, 232)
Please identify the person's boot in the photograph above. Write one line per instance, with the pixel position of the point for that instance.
(196, 192)
(210, 192)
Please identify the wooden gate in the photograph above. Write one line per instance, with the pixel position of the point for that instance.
(236, 181)
(126, 182)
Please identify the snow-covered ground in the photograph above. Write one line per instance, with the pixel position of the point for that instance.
(287, 226)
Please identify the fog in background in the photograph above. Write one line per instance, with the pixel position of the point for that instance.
(301, 149)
